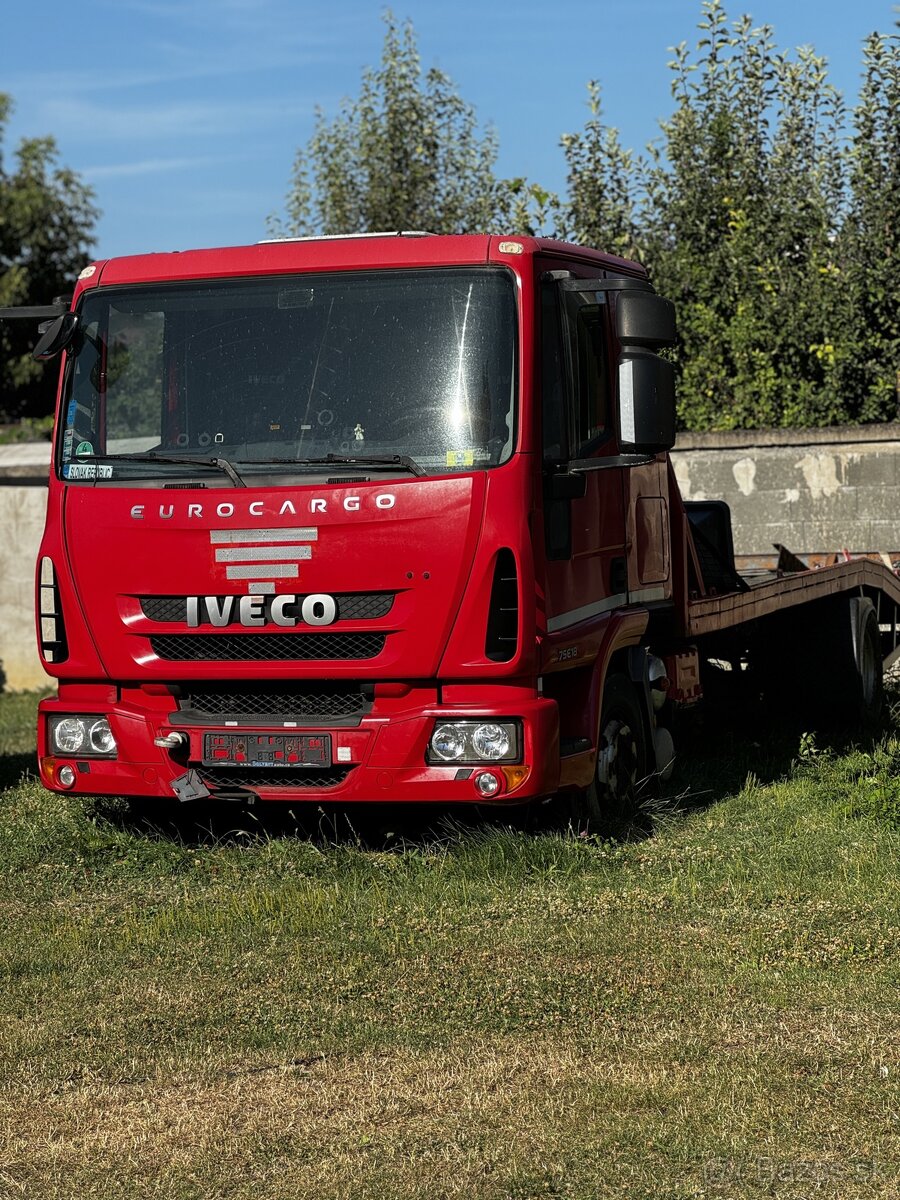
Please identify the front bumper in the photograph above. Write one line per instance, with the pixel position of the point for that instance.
(379, 759)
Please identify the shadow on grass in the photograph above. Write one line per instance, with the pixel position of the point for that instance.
(718, 751)
(715, 754)
(366, 826)
(14, 766)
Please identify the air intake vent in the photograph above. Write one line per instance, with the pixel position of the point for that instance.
(241, 779)
(274, 703)
(503, 620)
(262, 647)
(53, 632)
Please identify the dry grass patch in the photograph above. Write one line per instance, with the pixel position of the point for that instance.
(596, 1111)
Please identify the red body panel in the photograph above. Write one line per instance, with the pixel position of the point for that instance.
(126, 544)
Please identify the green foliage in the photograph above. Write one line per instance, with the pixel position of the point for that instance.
(406, 154)
(778, 246)
(29, 429)
(741, 232)
(862, 784)
(603, 206)
(46, 226)
(872, 231)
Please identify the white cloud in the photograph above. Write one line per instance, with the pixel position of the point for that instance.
(149, 166)
(98, 124)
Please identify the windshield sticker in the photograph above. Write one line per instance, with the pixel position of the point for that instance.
(359, 434)
(83, 449)
(460, 458)
(87, 471)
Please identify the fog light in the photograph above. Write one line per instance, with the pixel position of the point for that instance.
(486, 783)
(66, 777)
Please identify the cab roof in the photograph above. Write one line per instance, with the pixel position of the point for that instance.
(340, 253)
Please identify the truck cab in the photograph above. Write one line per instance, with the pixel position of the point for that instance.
(384, 518)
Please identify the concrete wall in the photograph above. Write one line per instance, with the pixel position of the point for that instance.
(23, 505)
(813, 491)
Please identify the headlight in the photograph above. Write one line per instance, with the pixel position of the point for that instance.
(68, 735)
(88, 736)
(492, 742)
(102, 740)
(448, 743)
(475, 742)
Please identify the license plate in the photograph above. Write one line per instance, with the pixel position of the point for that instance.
(266, 750)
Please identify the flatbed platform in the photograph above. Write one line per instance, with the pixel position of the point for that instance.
(768, 592)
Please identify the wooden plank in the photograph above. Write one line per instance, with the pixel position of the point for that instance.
(715, 613)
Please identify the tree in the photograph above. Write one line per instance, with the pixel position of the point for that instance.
(871, 238)
(406, 154)
(784, 276)
(47, 218)
(604, 204)
(746, 207)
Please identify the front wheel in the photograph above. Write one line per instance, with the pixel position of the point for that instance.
(613, 798)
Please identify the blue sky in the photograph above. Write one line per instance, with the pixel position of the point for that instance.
(184, 115)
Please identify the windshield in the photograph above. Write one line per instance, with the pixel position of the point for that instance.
(278, 370)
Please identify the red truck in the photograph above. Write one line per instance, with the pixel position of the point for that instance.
(391, 518)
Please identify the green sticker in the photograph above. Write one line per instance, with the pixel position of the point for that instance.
(84, 448)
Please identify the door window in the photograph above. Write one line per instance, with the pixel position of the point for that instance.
(590, 376)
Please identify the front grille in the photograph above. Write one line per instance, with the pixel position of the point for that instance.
(291, 702)
(226, 779)
(351, 606)
(266, 647)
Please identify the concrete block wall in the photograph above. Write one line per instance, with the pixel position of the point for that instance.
(813, 491)
(23, 507)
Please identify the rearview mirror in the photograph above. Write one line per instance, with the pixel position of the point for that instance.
(644, 319)
(646, 402)
(55, 336)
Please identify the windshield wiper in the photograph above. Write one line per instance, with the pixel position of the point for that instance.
(348, 460)
(148, 456)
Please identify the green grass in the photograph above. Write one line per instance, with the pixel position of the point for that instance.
(488, 1013)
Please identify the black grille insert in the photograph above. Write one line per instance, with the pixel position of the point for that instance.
(290, 702)
(224, 779)
(266, 647)
(351, 606)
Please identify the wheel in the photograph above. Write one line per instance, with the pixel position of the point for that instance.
(822, 666)
(613, 799)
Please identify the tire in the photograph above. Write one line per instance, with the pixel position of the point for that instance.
(612, 802)
(823, 665)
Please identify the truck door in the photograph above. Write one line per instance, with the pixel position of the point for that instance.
(584, 533)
